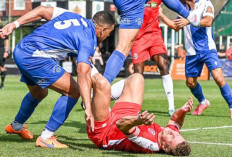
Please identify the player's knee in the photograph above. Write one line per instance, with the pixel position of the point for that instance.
(100, 82)
(190, 84)
(220, 81)
(137, 79)
(40, 96)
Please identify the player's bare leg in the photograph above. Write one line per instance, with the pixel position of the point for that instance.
(196, 90)
(116, 60)
(162, 63)
(68, 87)
(101, 97)
(139, 68)
(132, 93)
(224, 87)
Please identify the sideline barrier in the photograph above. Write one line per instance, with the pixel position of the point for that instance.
(178, 71)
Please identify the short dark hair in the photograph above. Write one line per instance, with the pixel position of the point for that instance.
(103, 18)
(182, 149)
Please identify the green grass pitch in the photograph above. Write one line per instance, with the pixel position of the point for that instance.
(212, 141)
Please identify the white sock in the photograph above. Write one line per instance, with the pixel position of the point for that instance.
(46, 134)
(203, 102)
(93, 70)
(116, 89)
(168, 88)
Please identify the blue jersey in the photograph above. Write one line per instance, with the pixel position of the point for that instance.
(200, 39)
(65, 33)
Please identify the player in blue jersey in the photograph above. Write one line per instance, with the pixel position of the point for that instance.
(131, 14)
(36, 57)
(201, 48)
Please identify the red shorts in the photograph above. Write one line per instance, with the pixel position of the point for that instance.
(147, 46)
(103, 129)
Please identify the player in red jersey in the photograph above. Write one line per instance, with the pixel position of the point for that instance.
(149, 44)
(123, 127)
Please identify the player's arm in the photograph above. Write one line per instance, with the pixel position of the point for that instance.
(179, 115)
(127, 124)
(84, 82)
(205, 21)
(170, 23)
(36, 14)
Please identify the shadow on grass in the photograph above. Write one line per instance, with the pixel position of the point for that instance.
(74, 124)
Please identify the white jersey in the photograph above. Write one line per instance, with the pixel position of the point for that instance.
(200, 39)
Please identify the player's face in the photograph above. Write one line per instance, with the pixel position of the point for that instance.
(170, 138)
(105, 32)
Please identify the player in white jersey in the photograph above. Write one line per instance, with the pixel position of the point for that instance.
(201, 49)
(36, 57)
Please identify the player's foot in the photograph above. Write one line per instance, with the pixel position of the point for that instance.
(24, 133)
(200, 108)
(230, 113)
(50, 143)
(2, 87)
(170, 112)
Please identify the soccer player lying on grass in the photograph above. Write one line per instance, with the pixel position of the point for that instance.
(125, 128)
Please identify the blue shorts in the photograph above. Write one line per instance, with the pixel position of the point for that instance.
(37, 70)
(194, 64)
(131, 13)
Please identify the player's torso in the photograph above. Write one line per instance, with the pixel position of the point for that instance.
(151, 18)
(144, 141)
(60, 36)
(199, 39)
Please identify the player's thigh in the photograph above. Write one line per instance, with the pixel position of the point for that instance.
(101, 97)
(133, 90)
(37, 92)
(67, 86)
(218, 76)
(125, 40)
(162, 63)
(193, 66)
(139, 68)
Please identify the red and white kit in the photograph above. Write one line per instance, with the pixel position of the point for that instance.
(144, 139)
(149, 41)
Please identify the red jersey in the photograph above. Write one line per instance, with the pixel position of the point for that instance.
(151, 18)
(144, 139)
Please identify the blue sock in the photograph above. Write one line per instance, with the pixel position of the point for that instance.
(114, 65)
(197, 92)
(60, 112)
(177, 6)
(226, 93)
(27, 107)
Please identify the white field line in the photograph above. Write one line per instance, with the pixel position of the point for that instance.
(220, 144)
(206, 128)
(175, 90)
(209, 128)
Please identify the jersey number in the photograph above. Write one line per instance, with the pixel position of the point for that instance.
(67, 23)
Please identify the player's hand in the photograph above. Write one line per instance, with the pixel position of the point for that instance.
(5, 55)
(146, 118)
(7, 30)
(188, 105)
(89, 119)
(181, 22)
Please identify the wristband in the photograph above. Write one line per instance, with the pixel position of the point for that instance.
(17, 25)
